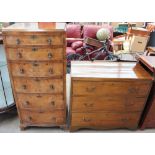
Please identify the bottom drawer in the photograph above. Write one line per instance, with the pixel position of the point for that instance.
(105, 120)
(36, 118)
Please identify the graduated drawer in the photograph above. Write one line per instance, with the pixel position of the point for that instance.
(35, 53)
(55, 39)
(110, 88)
(105, 120)
(113, 104)
(38, 85)
(40, 101)
(34, 118)
(37, 69)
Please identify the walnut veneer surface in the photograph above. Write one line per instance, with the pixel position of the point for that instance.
(37, 67)
(107, 95)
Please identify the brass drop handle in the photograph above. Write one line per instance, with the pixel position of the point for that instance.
(21, 70)
(50, 71)
(91, 89)
(50, 55)
(34, 49)
(29, 118)
(33, 37)
(26, 103)
(86, 119)
(88, 104)
(35, 64)
(17, 41)
(49, 41)
(24, 86)
(52, 87)
(36, 79)
(19, 55)
(52, 103)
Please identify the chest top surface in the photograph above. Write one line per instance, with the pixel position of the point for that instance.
(109, 70)
(33, 27)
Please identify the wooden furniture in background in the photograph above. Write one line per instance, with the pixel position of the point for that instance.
(37, 67)
(107, 95)
(150, 51)
(148, 118)
(139, 38)
(46, 25)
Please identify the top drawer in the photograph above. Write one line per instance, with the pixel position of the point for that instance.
(35, 40)
(111, 88)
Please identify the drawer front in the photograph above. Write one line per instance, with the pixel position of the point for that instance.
(35, 40)
(113, 104)
(37, 69)
(38, 85)
(55, 118)
(40, 101)
(106, 120)
(35, 53)
(110, 88)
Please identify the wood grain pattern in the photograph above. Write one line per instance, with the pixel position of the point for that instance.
(105, 120)
(107, 95)
(48, 102)
(35, 53)
(41, 117)
(37, 69)
(38, 85)
(103, 88)
(111, 103)
(34, 40)
(96, 70)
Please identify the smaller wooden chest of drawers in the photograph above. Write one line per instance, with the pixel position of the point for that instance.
(37, 67)
(107, 95)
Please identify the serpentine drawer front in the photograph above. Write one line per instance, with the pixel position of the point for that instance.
(42, 118)
(38, 85)
(34, 53)
(37, 66)
(112, 98)
(54, 39)
(37, 69)
(41, 101)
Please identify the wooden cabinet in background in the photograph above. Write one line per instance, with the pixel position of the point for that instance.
(148, 117)
(107, 95)
(37, 67)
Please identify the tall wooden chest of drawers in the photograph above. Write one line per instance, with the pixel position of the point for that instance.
(37, 67)
(107, 95)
